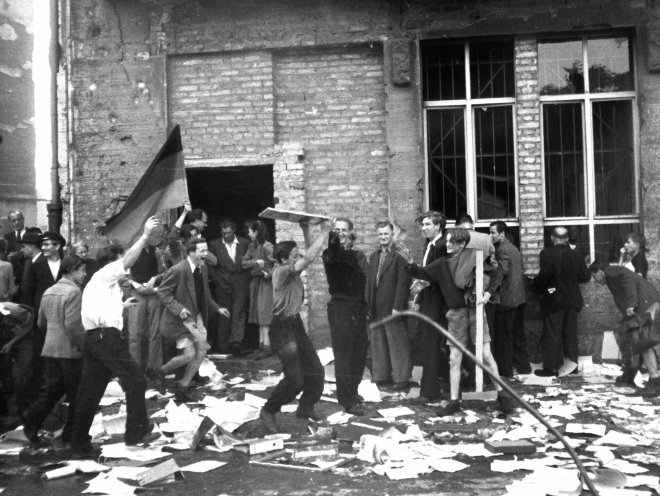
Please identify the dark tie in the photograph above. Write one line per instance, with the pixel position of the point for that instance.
(381, 261)
(199, 290)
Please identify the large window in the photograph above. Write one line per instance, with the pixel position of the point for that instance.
(587, 134)
(469, 95)
(588, 118)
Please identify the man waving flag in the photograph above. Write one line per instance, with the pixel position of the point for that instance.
(162, 187)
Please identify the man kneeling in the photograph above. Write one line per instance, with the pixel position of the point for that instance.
(187, 299)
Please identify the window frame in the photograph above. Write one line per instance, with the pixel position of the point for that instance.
(469, 105)
(586, 99)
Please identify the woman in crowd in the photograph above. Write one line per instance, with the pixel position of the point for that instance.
(259, 259)
(633, 254)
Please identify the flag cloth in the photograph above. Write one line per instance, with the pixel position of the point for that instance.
(163, 186)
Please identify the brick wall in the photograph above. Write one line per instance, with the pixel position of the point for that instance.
(319, 92)
(224, 104)
(332, 102)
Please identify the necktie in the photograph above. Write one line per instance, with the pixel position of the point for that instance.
(381, 261)
(199, 289)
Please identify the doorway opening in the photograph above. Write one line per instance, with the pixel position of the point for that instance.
(237, 193)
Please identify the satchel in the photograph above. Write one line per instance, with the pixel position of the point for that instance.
(641, 332)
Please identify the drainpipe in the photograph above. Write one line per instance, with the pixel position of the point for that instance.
(55, 206)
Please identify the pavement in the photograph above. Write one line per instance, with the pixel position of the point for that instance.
(590, 401)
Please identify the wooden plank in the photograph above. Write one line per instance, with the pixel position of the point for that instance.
(479, 308)
(292, 216)
(159, 472)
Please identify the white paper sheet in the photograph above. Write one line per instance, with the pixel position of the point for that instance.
(203, 466)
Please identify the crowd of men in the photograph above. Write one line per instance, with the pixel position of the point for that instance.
(159, 306)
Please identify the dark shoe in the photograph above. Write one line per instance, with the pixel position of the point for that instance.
(384, 384)
(400, 386)
(628, 377)
(261, 353)
(237, 350)
(158, 378)
(506, 402)
(357, 409)
(142, 436)
(146, 439)
(198, 380)
(86, 453)
(451, 408)
(652, 388)
(545, 373)
(182, 394)
(521, 371)
(268, 420)
(308, 414)
(30, 430)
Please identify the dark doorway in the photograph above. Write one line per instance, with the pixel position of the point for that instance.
(238, 193)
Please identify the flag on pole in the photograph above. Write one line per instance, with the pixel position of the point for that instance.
(163, 186)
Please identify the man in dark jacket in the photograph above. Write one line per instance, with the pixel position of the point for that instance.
(510, 343)
(345, 269)
(639, 303)
(454, 275)
(388, 287)
(562, 271)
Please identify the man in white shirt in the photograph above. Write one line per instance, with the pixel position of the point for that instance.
(106, 349)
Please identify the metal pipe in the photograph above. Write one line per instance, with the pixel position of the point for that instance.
(55, 206)
(502, 384)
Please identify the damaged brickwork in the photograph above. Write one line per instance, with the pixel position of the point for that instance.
(330, 95)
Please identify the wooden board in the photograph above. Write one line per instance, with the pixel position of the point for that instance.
(292, 216)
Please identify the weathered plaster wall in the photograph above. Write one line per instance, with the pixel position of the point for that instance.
(17, 188)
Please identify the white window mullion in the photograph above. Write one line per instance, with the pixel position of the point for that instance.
(470, 166)
(589, 152)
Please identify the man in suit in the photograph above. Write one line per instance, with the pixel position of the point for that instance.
(510, 343)
(434, 358)
(638, 302)
(562, 270)
(232, 284)
(185, 294)
(17, 224)
(388, 287)
(39, 276)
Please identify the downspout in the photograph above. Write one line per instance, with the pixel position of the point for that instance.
(55, 206)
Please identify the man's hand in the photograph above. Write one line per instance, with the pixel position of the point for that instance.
(404, 252)
(130, 302)
(151, 223)
(224, 312)
(151, 283)
(326, 225)
(630, 311)
(187, 206)
(185, 314)
(487, 296)
(7, 347)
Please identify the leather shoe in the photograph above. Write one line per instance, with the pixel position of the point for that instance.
(182, 394)
(309, 414)
(236, 350)
(545, 373)
(268, 420)
(356, 409)
(29, 429)
(85, 453)
(158, 377)
(451, 408)
(400, 386)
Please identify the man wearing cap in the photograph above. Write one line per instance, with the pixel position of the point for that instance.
(42, 273)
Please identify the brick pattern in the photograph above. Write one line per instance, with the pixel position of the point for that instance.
(332, 102)
(224, 104)
(528, 141)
